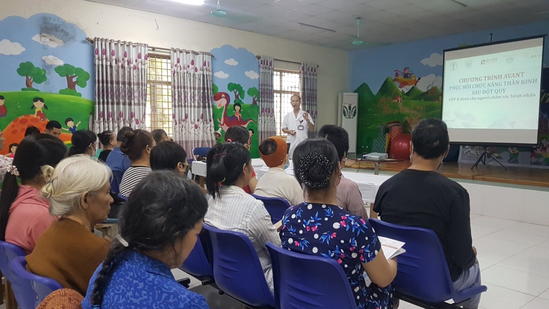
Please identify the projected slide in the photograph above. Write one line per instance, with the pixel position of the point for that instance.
(491, 92)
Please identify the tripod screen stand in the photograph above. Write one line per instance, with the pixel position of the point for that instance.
(487, 155)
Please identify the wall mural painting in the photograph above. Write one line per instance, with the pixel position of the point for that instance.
(400, 103)
(46, 67)
(236, 92)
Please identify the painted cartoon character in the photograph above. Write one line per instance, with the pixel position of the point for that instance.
(69, 122)
(12, 148)
(513, 155)
(406, 78)
(3, 109)
(537, 156)
(39, 105)
(544, 144)
(222, 100)
(237, 108)
(251, 132)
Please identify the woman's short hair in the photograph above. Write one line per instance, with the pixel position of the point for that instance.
(338, 136)
(166, 155)
(159, 135)
(32, 130)
(81, 140)
(430, 138)
(224, 165)
(36, 155)
(135, 142)
(161, 210)
(237, 134)
(315, 161)
(71, 178)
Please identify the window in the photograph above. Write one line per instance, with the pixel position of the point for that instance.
(159, 94)
(285, 83)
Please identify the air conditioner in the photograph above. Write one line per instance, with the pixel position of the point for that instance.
(347, 116)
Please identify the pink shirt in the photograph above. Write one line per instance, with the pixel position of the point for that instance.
(349, 198)
(29, 218)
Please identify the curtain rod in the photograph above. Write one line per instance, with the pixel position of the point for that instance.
(155, 48)
(288, 61)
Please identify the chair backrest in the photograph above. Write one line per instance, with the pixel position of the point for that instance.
(197, 263)
(34, 288)
(275, 206)
(236, 268)
(303, 281)
(201, 152)
(422, 271)
(8, 252)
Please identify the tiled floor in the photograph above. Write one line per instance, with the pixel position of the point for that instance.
(514, 260)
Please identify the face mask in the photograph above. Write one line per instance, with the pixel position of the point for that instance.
(287, 165)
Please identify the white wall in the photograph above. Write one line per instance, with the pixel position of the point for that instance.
(99, 20)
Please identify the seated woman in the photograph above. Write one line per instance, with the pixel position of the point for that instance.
(168, 155)
(239, 134)
(319, 227)
(24, 212)
(68, 251)
(137, 145)
(108, 142)
(229, 169)
(276, 182)
(158, 229)
(83, 142)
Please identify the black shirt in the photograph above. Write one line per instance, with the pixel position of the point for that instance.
(429, 200)
(103, 155)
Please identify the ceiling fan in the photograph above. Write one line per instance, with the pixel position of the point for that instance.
(357, 41)
(218, 12)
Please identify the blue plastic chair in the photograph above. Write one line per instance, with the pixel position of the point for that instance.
(201, 152)
(34, 288)
(8, 252)
(303, 281)
(275, 206)
(423, 277)
(236, 268)
(197, 263)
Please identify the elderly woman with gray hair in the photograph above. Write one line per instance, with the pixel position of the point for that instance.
(68, 251)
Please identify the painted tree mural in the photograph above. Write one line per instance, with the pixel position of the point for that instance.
(239, 93)
(32, 75)
(254, 94)
(75, 77)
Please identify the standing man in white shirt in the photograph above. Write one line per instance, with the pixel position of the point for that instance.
(296, 124)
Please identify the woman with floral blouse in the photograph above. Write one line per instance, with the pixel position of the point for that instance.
(319, 227)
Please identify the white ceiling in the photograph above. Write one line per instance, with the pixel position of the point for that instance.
(383, 21)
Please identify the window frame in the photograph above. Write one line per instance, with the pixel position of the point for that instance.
(281, 112)
(155, 115)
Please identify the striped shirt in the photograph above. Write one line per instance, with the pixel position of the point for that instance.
(235, 210)
(132, 176)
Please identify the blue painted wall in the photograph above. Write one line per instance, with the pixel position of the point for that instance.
(373, 65)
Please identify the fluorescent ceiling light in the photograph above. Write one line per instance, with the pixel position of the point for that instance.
(191, 2)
